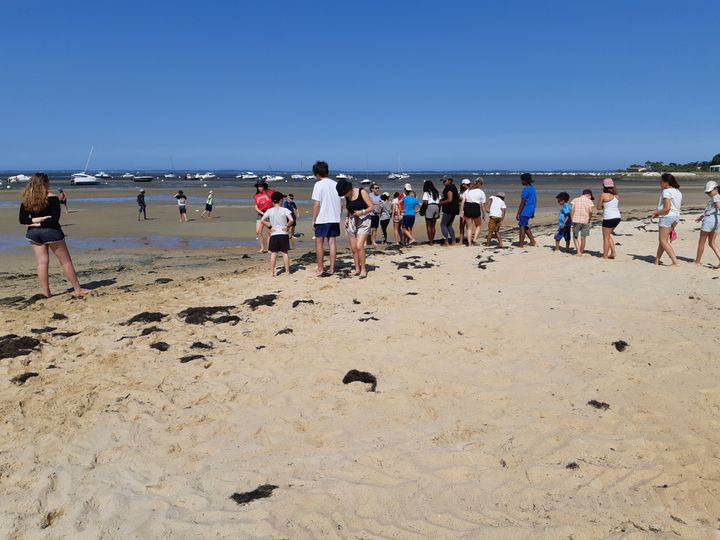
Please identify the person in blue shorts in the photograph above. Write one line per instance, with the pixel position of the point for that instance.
(325, 215)
(410, 206)
(564, 221)
(528, 202)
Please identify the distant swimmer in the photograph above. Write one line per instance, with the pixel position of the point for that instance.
(40, 211)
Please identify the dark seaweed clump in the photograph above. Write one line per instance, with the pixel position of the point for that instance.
(598, 404)
(361, 376)
(20, 379)
(145, 317)
(43, 330)
(262, 300)
(296, 303)
(163, 280)
(191, 357)
(201, 315)
(12, 345)
(572, 465)
(260, 492)
(160, 346)
(620, 345)
(284, 331)
(201, 345)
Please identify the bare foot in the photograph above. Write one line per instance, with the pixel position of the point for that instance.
(81, 293)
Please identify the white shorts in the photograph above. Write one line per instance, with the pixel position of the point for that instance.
(710, 224)
(356, 225)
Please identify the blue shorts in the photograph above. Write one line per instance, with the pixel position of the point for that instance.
(42, 236)
(563, 232)
(408, 222)
(668, 222)
(327, 230)
(524, 221)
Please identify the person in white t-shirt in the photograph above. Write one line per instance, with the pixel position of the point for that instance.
(668, 213)
(279, 220)
(471, 208)
(430, 208)
(325, 215)
(495, 208)
(710, 219)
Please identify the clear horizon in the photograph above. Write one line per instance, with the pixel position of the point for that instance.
(375, 86)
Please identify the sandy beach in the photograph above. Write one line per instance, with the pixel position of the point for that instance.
(488, 364)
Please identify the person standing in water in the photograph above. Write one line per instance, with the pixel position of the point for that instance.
(40, 211)
(182, 205)
(208, 205)
(62, 197)
(141, 204)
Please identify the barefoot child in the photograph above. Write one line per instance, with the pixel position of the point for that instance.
(581, 215)
(279, 220)
(710, 222)
(495, 208)
(564, 221)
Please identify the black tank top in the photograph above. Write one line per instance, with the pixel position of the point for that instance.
(357, 204)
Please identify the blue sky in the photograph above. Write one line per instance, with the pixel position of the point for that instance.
(371, 84)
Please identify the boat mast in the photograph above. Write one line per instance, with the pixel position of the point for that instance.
(87, 163)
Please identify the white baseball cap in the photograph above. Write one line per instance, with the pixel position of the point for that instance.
(712, 184)
(465, 182)
(408, 187)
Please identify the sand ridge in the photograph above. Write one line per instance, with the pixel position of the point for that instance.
(481, 407)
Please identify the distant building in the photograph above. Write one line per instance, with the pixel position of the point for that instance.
(637, 168)
(714, 168)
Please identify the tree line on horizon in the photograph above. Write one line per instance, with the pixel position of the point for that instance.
(680, 167)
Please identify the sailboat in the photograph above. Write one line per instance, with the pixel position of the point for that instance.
(171, 174)
(83, 178)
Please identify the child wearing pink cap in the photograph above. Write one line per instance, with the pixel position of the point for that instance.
(609, 203)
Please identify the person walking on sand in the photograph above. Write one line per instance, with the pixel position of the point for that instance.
(609, 203)
(668, 214)
(62, 197)
(278, 220)
(410, 206)
(263, 202)
(385, 214)
(528, 202)
(495, 208)
(325, 215)
(450, 203)
(182, 205)
(564, 222)
(464, 186)
(430, 209)
(710, 222)
(397, 212)
(141, 205)
(581, 216)
(471, 209)
(289, 203)
(357, 224)
(375, 215)
(208, 205)
(40, 211)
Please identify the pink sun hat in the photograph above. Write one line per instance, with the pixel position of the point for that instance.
(608, 182)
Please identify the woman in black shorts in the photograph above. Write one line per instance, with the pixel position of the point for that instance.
(40, 211)
(609, 203)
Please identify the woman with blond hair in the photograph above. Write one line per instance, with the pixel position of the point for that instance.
(40, 211)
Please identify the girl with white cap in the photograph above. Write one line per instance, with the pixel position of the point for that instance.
(609, 203)
(710, 222)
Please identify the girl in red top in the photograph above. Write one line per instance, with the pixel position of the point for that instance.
(263, 203)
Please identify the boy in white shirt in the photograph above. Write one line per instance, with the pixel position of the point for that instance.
(279, 220)
(496, 208)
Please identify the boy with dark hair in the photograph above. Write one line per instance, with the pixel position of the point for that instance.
(290, 205)
(564, 221)
(325, 216)
(322, 169)
(279, 220)
(528, 202)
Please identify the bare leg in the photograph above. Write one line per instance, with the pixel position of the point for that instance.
(578, 251)
(61, 252)
(522, 236)
(333, 253)
(273, 260)
(701, 247)
(499, 238)
(259, 233)
(320, 254)
(286, 262)
(362, 270)
(666, 246)
(355, 248)
(43, 260)
(713, 245)
(530, 236)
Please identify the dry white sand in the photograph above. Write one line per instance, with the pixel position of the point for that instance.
(483, 382)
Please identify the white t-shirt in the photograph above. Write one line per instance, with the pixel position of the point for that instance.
(497, 205)
(429, 198)
(675, 201)
(278, 218)
(711, 210)
(476, 195)
(324, 191)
